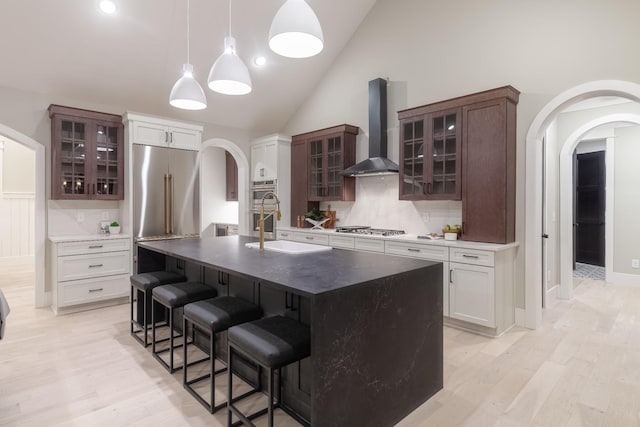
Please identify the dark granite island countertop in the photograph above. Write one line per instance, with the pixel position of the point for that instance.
(376, 323)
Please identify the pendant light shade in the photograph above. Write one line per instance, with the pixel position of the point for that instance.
(229, 75)
(295, 31)
(187, 92)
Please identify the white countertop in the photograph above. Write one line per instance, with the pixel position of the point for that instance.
(414, 239)
(87, 237)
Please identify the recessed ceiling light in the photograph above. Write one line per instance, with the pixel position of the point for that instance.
(260, 61)
(107, 6)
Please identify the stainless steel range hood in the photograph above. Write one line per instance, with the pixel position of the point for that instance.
(377, 163)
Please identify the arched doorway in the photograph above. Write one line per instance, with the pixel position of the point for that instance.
(533, 184)
(243, 179)
(41, 297)
(566, 199)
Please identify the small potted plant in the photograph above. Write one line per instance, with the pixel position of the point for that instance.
(452, 232)
(114, 228)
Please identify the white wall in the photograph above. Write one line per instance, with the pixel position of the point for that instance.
(626, 232)
(17, 202)
(215, 208)
(433, 51)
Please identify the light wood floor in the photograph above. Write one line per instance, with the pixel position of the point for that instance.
(581, 368)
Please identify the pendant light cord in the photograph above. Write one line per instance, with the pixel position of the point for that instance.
(188, 60)
(229, 18)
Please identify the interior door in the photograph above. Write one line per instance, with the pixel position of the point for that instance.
(589, 208)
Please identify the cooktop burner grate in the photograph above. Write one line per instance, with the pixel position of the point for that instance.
(366, 230)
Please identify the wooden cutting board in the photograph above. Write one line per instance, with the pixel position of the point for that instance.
(332, 218)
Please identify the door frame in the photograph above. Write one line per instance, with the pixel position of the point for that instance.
(41, 298)
(532, 315)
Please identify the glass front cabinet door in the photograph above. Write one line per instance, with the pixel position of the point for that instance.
(430, 146)
(87, 154)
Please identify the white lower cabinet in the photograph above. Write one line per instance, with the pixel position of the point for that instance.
(472, 294)
(87, 274)
(477, 283)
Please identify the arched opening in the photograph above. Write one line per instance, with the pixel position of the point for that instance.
(533, 185)
(567, 202)
(243, 180)
(40, 295)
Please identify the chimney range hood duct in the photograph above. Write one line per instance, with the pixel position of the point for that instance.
(377, 163)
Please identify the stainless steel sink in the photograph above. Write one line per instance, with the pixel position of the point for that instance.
(288, 247)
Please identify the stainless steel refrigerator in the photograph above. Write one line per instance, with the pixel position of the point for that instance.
(166, 201)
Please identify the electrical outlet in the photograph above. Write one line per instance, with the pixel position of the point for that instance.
(426, 216)
(80, 217)
(105, 216)
(635, 263)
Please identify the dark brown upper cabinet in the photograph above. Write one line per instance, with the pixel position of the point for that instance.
(317, 159)
(231, 177)
(87, 154)
(430, 155)
(464, 149)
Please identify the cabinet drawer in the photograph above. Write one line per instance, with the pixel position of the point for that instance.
(285, 235)
(342, 242)
(471, 256)
(88, 266)
(317, 239)
(84, 291)
(371, 245)
(417, 250)
(92, 246)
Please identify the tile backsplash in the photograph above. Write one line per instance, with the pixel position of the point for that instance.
(71, 217)
(377, 205)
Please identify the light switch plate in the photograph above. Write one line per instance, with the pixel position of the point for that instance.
(80, 217)
(635, 263)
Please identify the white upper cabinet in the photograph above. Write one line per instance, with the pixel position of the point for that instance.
(147, 130)
(264, 160)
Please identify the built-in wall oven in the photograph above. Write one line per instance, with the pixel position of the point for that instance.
(258, 191)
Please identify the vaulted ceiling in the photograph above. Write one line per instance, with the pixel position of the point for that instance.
(67, 49)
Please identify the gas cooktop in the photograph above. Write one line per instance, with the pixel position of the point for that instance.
(363, 229)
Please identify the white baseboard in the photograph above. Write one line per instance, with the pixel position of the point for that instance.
(624, 279)
(521, 316)
(17, 260)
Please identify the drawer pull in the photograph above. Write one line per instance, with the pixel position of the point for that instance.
(284, 234)
(309, 238)
(451, 275)
(95, 246)
(413, 250)
(96, 290)
(470, 256)
(96, 265)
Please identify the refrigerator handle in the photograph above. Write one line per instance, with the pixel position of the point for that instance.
(171, 204)
(167, 197)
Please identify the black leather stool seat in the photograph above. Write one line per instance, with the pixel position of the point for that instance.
(141, 287)
(180, 294)
(219, 314)
(212, 316)
(173, 297)
(273, 342)
(146, 281)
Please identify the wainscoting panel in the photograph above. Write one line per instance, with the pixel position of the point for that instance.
(17, 225)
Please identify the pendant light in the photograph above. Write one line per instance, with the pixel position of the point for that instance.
(187, 92)
(228, 74)
(295, 31)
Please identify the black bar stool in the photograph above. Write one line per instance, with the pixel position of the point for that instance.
(210, 317)
(173, 297)
(143, 283)
(272, 342)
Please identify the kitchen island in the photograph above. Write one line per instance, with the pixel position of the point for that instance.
(376, 321)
